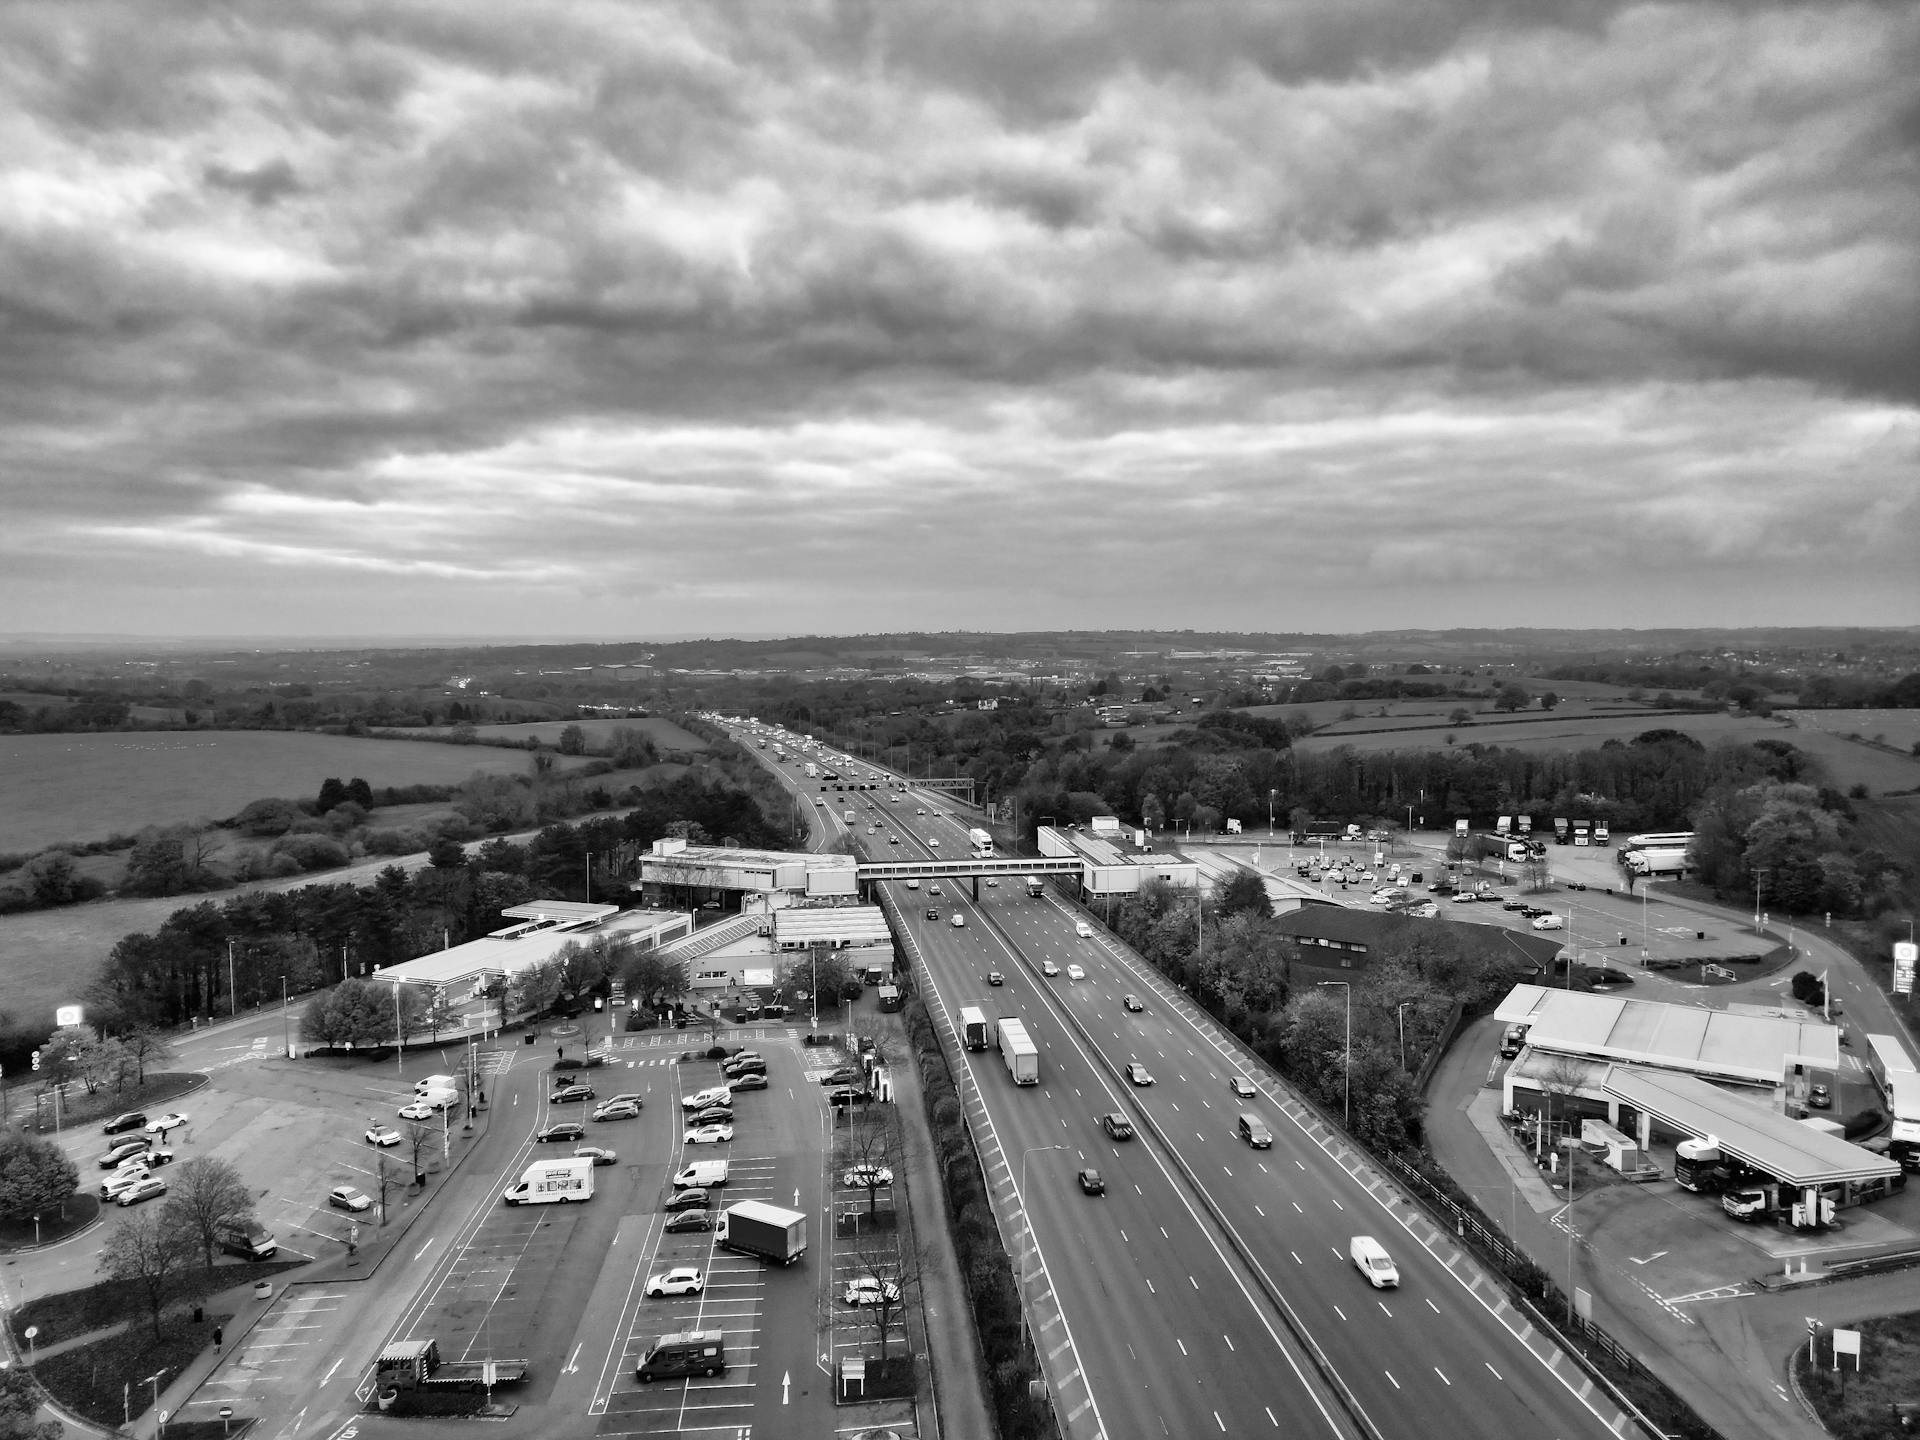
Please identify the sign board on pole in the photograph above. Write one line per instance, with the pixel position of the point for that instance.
(66, 1015)
(1846, 1342)
(1905, 953)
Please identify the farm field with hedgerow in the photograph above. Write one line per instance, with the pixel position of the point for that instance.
(87, 787)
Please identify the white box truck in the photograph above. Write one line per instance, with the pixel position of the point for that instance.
(552, 1182)
(1017, 1050)
(973, 1027)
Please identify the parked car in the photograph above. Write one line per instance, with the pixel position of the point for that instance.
(382, 1135)
(121, 1180)
(712, 1115)
(751, 1080)
(1820, 1098)
(688, 1222)
(567, 1094)
(599, 1154)
(1463, 897)
(149, 1159)
(121, 1149)
(345, 1197)
(871, 1290)
(1548, 922)
(845, 1075)
(565, 1130)
(681, 1280)
(1514, 902)
(146, 1187)
(617, 1110)
(418, 1110)
(172, 1120)
(1117, 1126)
(707, 1135)
(132, 1120)
(713, 1095)
(690, 1199)
(1091, 1183)
(847, 1095)
(867, 1177)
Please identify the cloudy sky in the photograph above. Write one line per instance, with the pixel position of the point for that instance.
(492, 318)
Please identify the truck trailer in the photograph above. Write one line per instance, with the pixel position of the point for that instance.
(1036, 887)
(752, 1227)
(416, 1365)
(552, 1182)
(974, 1029)
(1655, 860)
(1017, 1051)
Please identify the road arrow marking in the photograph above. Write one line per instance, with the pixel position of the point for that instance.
(786, 1384)
(573, 1362)
(1649, 1260)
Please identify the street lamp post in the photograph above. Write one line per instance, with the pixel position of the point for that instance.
(286, 1025)
(1400, 1012)
(154, 1381)
(1759, 878)
(1026, 1230)
(1346, 1096)
(233, 994)
(1270, 795)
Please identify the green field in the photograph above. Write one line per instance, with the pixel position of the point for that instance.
(664, 733)
(87, 787)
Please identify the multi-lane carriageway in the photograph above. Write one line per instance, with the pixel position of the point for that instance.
(1209, 1291)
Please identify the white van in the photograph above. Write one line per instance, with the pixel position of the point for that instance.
(1371, 1259)
(701, 1175)
(1083, 930)
(552, 1182)
(436, 1082)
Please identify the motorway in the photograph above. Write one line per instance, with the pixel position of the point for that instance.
(1189, 1298)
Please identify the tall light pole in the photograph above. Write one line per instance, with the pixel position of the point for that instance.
(286, 1025)
(233, 994)
(1346, 1098)
(1026, 1230)
(1270, 795)
(154, 1380)
(1400, 1012)
(1759, 878)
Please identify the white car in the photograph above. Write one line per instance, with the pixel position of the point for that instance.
(1548, 922)
(1048, 968)
(1083, 930)
(871, 1290)
(1137, 1073)
(172, 1120)
(1463, 897)
(1243, 1087)
(913, 884)
(707, 1135)
(383, 1135)
(145, 1188)
(934, 840)
(867, 1177)
(122, 1180)
(1074, 972)
(959, 921)
(417, 1111)
(1372, 1260)
(681, 1280)
(715, 1095)
(345, 1197)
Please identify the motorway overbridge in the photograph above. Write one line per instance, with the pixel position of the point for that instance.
(973, 870)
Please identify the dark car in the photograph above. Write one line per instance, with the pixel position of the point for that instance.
(710, 1115)
(845, 1075)
(1091, 1182)
(567, 1093)
(688, 1200)
(847, 1095)
(994, 977)
(687, 1222)
(744, 1067)
(132, 1120)
(565, 1130)
(1513, 903)
(1491, 897)
(752, 1080)
(122, 1149)
(933, 912)
(1820, 1098)
(1117, 1126)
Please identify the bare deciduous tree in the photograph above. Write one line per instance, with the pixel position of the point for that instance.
(204, 1194)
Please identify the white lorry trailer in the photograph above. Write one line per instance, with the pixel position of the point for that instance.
(1018, 1053)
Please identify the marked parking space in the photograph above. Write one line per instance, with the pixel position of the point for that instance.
(274, 1355)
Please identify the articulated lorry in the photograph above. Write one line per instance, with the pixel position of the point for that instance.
(1655, 860)
(1036, 887)
(1018, 1053)
(974, 1028)
(416, 1365)
(752, 1227)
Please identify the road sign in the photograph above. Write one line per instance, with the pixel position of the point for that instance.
(1905, 954)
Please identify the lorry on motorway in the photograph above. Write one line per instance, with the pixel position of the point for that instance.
(1036, 887)
(416, 1365)
(752, 1227)
(552, 1182)
(979, 844)
(1018, 1053)
(974, 1029)
(813, 770)
(847, 815)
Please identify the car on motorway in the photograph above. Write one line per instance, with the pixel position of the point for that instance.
(933, 912)
(895, 840)
(847, 1095)
(147, 1187)
(1371, 1259)
(867, 1177)
(1049, 969)
(567, 1094)
(124, 1149)
(707, 1135)
(382, 1135)
(565, 1130)
(934, 841)
(1091, 1183)
(1074, 972)
(345, 1197)
(844, 1075)
(131, 1120)
(1820, 1098)
(1131, 1002)
(599, 1154)
(1083, 930)
(1137, 1073)
(994, 977)
(1548, 921)
(688, 1222)
(681, 1280)
(913, 884)
(750, 1080)
(1243, 1087)
(172, 1120)
(871, 1290)
(934, 889)
(617, 1110)
(959, 920)
(992, 884)
(700, 1099)
(692, 1198)
(1117, 1126)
